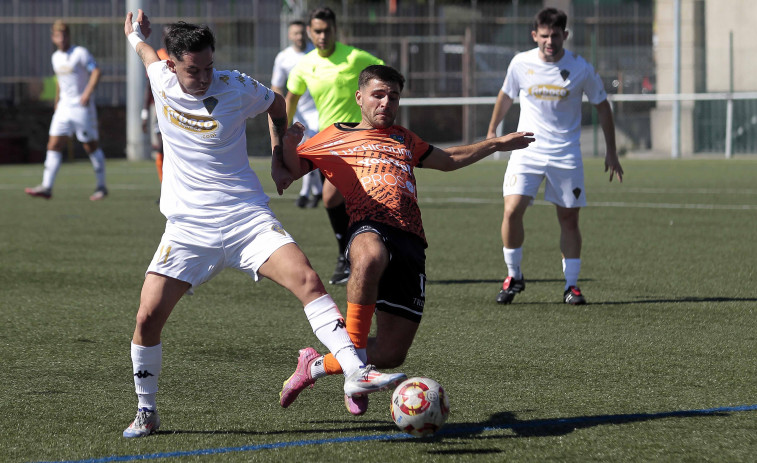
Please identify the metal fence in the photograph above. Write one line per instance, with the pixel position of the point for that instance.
(444, 48)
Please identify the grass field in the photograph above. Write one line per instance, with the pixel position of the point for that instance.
(660, 366)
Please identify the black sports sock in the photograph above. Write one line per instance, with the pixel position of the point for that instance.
(339, 223)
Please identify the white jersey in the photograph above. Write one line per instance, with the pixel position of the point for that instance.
(306, 113)
(550, 103)
(72, 68)
(207, 178)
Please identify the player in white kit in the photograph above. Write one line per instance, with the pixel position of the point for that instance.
(312, 186)
(217, 214)
(550, 82)
(77, 76)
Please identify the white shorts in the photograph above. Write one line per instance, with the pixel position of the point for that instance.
(564, 187)
(196, 253)
(81, 120)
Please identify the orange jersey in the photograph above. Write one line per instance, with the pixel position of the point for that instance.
(373, 169)
(162, 54)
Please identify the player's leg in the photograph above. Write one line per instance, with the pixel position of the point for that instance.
(316, 188)
(333, 201)
(158, 147)
(160, 294)
(97, 157)
(302, 199)
(60, 131)
(273, 254)
(565, 189)
(86, 132)
(513, 236)
(570, 246)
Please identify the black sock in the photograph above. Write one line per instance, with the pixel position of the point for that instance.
(339, 223)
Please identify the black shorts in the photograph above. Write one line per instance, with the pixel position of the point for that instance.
(402, 288)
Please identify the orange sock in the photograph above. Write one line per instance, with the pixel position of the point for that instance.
(331, 366)
(359, 318)
(159, 165)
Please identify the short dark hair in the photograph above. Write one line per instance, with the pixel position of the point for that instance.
(323, 13)
(383, 73)
(183, 38)
(296, 22)
(552, 18)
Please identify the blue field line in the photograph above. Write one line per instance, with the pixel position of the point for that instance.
(449, 430)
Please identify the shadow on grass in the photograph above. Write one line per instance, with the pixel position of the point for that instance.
(472, 281)
(543, 427)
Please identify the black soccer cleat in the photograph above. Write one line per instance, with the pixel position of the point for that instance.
(510, 287)
(341, 272)
(573, 296)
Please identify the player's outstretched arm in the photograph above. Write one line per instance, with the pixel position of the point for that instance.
(136, 32)
(461, 156)
(612, 162)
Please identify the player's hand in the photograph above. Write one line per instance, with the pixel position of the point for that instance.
(612, 163)
(84, 100)
(281, 176)
(293, 136)
(144, 23)
(515, 141)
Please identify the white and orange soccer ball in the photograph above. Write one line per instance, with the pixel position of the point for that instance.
(420, 407)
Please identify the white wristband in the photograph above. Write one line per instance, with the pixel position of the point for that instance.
(145, 114)
(136, 36)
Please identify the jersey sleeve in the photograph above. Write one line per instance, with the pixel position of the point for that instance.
(418, 147)
(511, 85)
(154, 73)
(279, 76)
(87, 60)
(594, 88)
(255, 97)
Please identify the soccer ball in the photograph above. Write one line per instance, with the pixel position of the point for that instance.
(420, 406)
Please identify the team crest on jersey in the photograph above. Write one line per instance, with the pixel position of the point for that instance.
(278, 229)
(397, 137)
(190, 122)
(548, 92)
(210, 103)
(564, 73)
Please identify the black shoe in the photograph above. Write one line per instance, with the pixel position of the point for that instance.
(573, 296)
(341, 272)
(301, 202)
(313, 202)
(510, 287)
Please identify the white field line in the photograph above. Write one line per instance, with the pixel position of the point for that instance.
(495, 199)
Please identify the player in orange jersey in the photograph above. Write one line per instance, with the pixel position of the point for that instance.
(371, 163)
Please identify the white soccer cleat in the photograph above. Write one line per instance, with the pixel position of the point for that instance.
(146, 423)
(368, 379)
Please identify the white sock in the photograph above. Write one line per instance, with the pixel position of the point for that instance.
(318, 368)
(305, 189)
(316, 185)
(98, 163)
(328, 325)
(146, 363)
(513, 258)
(571, 268)
(52, 164)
